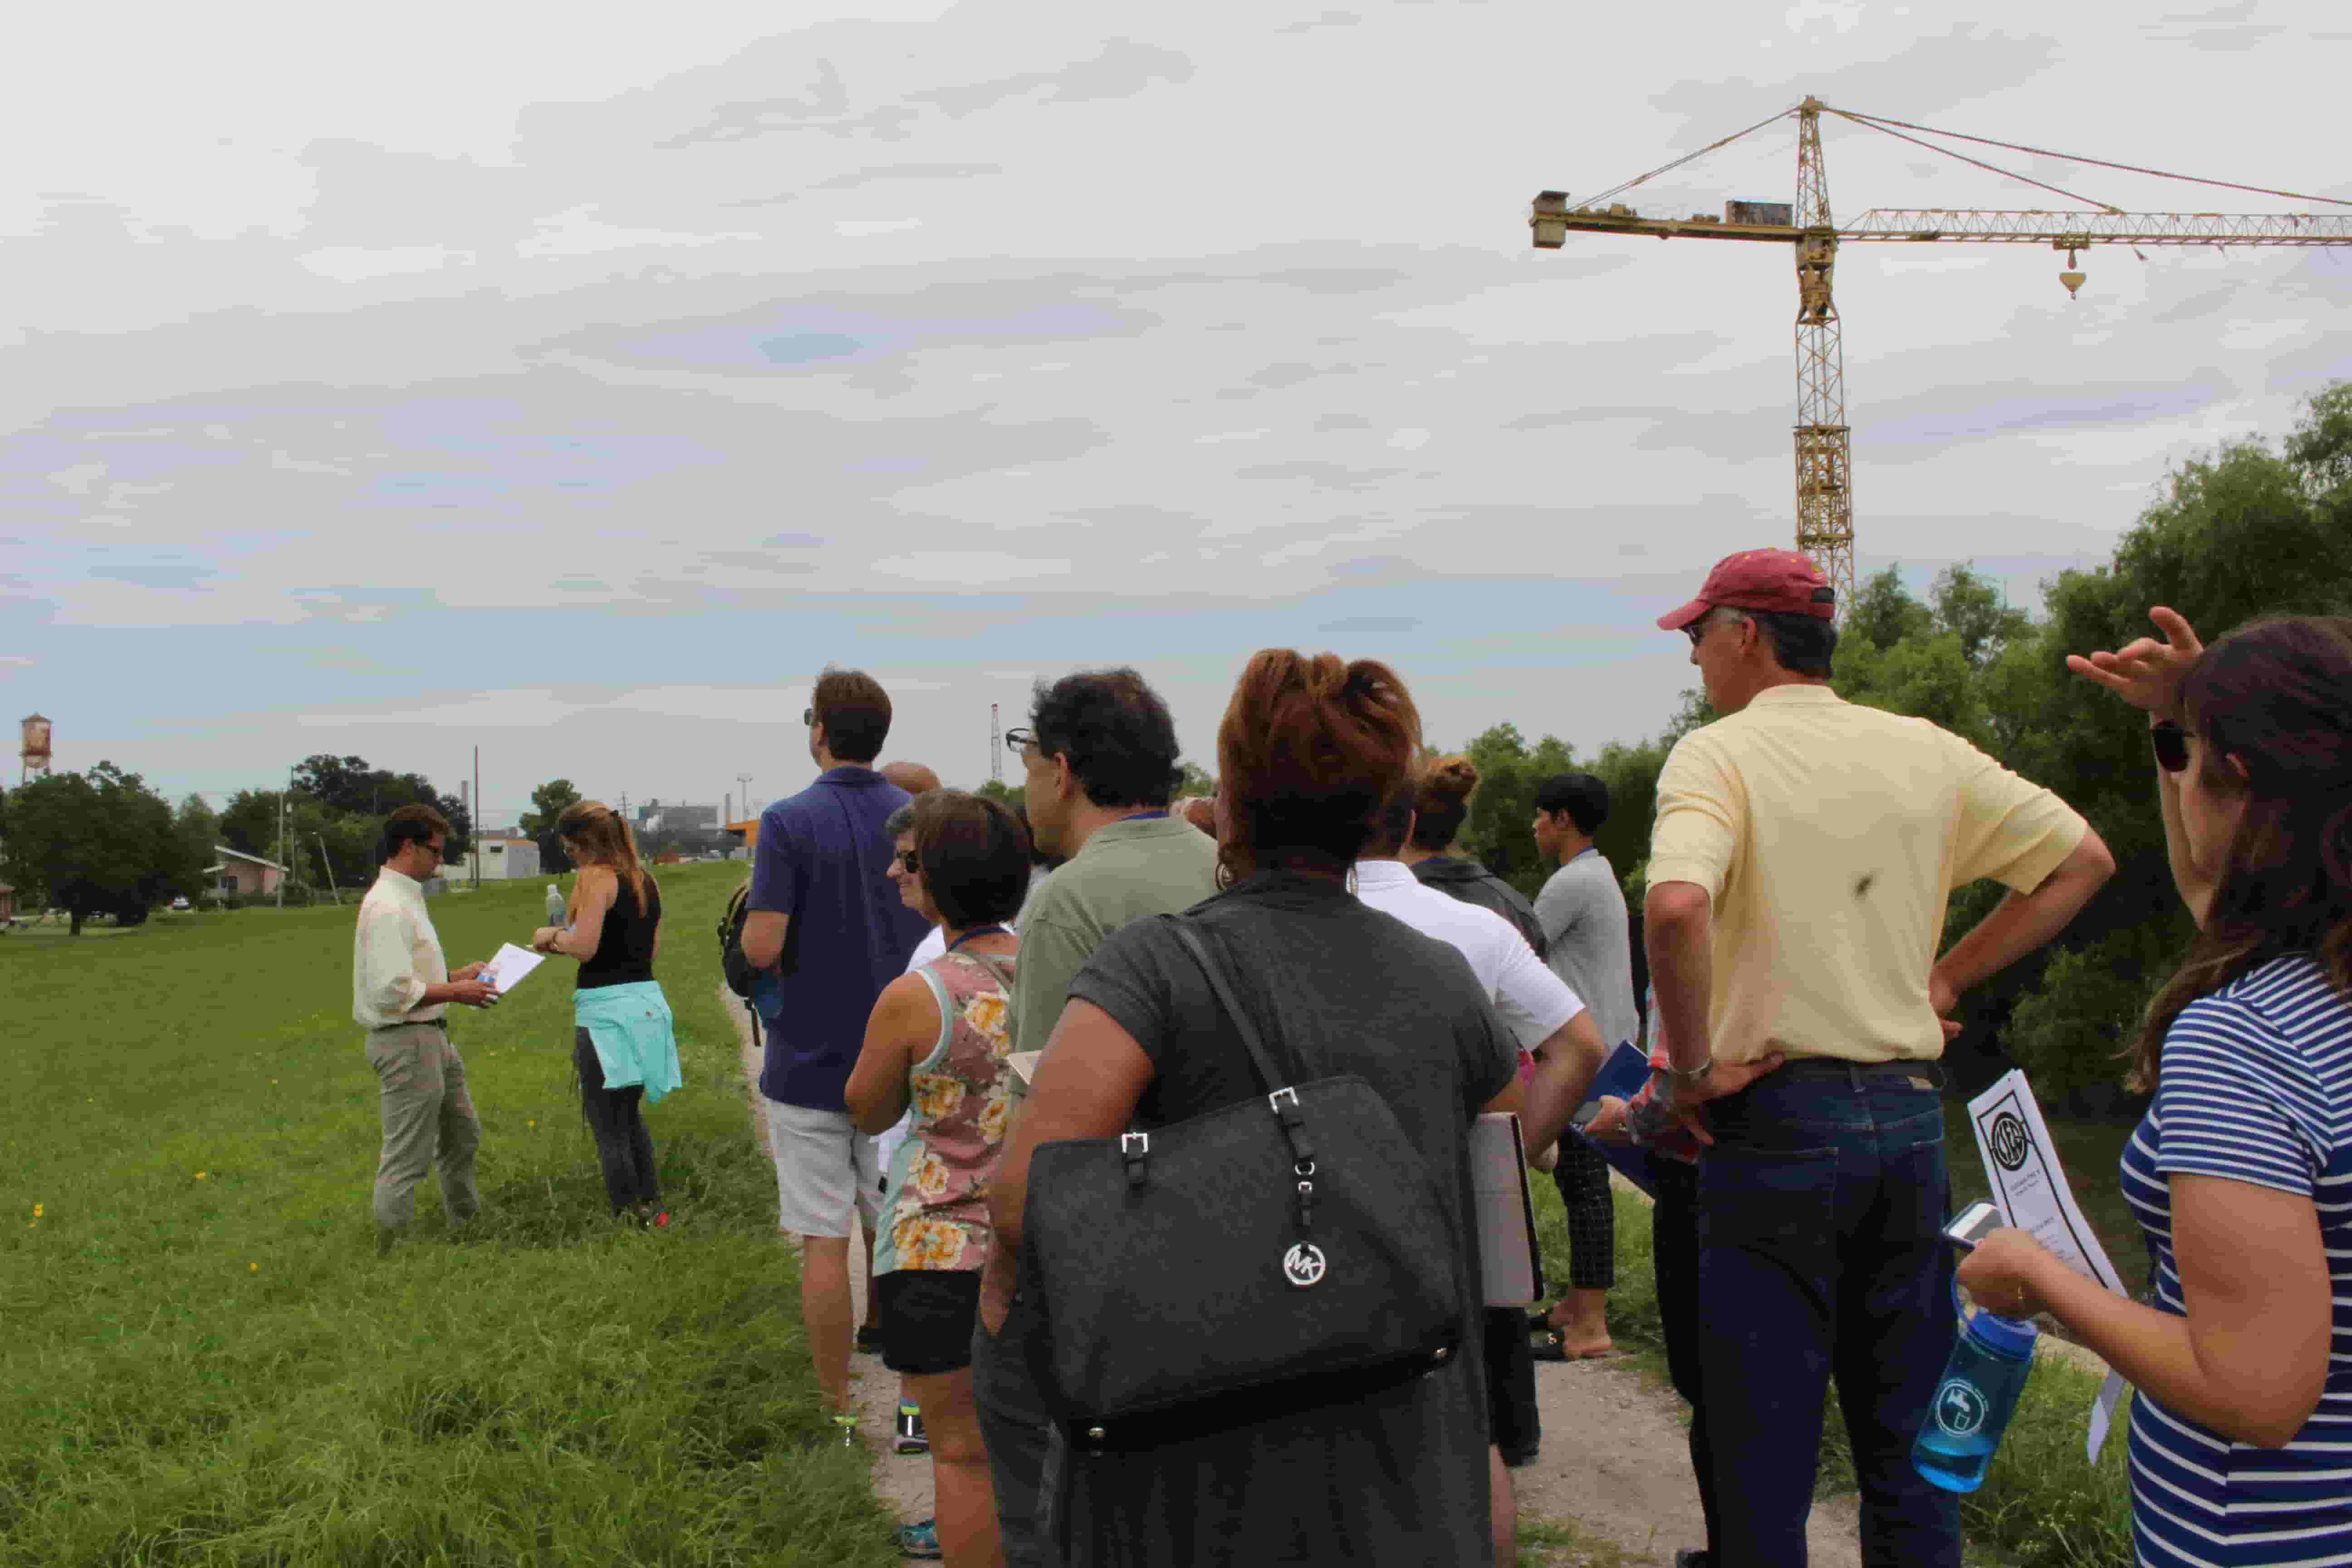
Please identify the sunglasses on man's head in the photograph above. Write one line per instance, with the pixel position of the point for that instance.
(2171, 743)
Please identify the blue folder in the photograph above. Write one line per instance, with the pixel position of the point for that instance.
(1623, 1074)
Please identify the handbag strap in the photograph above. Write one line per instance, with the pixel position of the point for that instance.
(1269, 1080)
(1282, 1098)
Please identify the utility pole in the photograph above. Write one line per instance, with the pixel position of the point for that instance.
(745, 780)
(326, 862)
(474, 826)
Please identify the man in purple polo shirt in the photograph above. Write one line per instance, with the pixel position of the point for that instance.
(823, 908)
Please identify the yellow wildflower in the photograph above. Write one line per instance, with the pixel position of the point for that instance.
(200, 1175)
(37, 1211)
(254, 1267)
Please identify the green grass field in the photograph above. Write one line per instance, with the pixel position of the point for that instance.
(205, 1361)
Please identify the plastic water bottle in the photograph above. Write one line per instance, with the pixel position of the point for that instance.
(1974, 1400)
(555, 905)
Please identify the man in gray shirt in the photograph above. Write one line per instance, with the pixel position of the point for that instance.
(1582, 910)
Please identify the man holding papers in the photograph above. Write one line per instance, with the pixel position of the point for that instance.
(1802, 854)
(401, 990)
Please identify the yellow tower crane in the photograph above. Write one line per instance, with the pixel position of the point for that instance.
(1824, 461)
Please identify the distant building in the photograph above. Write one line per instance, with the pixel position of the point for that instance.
(677, 817)
(241, 874)
(505, 856)
(746, 835)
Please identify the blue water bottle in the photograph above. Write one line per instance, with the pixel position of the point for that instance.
(1974, 1400)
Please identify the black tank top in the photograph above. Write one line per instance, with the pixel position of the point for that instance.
(625, 952)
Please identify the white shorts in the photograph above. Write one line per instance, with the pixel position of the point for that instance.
(825, 1171)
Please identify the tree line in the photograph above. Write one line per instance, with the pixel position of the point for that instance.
(104, 842)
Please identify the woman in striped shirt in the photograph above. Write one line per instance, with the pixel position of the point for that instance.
(2241, 1171)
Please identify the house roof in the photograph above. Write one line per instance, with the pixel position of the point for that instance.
(241, 855)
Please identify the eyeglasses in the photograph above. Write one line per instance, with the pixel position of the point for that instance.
(808, 718)
(2171, 743)
(440, 850)
(908, 864)
(1018, 741)
(1696, 631)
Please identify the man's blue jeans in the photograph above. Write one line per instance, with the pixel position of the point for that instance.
(1820, 1211)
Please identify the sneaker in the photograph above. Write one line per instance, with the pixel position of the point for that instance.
(847, 1426)
(910, 1438)
(921, 1541)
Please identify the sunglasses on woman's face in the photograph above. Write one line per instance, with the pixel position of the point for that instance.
(2171, 743)
(907, 863)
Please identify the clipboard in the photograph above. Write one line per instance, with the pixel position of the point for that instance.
(1509, 1261)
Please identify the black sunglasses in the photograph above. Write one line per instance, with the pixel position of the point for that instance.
(908, 864)
(1018, 741)
(2171, 743)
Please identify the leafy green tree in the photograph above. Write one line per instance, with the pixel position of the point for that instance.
(1196, 780)
(249, 822)
(199, 827)
(998, 790)
(547, 802)
(1500, 833)
(99, 843)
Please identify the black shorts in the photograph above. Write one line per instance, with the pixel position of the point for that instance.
(927, 1317)
(1510, 1385)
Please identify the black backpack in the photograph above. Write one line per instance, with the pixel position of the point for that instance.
(732, 961)
(732, 964)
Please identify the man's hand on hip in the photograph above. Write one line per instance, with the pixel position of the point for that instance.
(1684, 1098)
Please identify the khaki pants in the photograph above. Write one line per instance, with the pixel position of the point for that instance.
(426, 1113)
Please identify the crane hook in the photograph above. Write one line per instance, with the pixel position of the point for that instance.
(2071, 278)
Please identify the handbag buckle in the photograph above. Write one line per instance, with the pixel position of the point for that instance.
(1274, 1101)
(1133, 1148)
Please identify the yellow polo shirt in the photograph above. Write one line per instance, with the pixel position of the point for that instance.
(1830, 836)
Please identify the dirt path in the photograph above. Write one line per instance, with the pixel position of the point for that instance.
(903, 1481)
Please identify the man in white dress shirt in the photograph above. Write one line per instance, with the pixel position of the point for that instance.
(401, 990)
(1548, 1020)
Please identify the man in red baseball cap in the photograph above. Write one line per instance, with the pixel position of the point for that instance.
(1778, 580)
(1801, 858)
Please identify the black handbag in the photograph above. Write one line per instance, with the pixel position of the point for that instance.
(1286, 1251)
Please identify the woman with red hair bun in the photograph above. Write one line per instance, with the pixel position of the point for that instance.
(1310, 749)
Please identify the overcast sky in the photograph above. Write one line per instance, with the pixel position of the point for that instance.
(576, 381)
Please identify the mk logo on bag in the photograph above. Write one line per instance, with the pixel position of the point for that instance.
(1303, 1264)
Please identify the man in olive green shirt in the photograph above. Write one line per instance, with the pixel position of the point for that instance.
(1101, 759)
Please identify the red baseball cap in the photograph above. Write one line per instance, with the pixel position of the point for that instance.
(1776, 579)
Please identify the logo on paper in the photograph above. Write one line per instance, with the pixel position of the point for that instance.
(1303, 1264)
(2009, 1142)
(1960, 1407)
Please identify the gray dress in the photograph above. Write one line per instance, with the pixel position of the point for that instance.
(1393, 1478)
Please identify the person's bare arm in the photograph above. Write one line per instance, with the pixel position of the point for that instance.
(1087, 1085)
(2250, 1360)
(1677, 918)
(1566, 1064)
(901, 1031)
(2022, 923)
(763, 937)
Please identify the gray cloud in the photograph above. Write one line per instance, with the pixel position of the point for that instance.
(1370, 626)
(858, 179)
(1121, 69)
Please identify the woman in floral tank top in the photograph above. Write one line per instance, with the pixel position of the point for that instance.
(939, 1042)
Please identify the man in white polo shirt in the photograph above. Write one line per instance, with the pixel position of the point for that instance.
(401, 991)
(1550, 1021)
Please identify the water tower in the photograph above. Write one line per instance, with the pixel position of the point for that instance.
(34, 751)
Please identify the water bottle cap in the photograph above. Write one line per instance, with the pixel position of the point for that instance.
(2004, 1336)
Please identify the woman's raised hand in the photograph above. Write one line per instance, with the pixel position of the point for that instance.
(2146, 673)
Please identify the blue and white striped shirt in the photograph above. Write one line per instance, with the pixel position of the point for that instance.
(2255, 1087)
